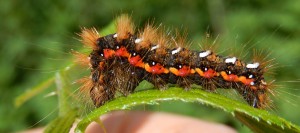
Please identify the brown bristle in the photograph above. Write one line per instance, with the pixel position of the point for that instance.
(180, 40)
(124, 27)
(148, 36)
(272, 91)
(208, 44)
(212, 57)
(162, 41)
(161, 51)
(89, 37)
(237, 51)
(265, 99)
(184, 53)
(81, 58)
(99, 95)
(266, 63)
(87, 84)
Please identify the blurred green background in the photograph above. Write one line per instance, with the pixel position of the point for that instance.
(37, 36)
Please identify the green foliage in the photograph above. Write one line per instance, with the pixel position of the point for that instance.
(33, 92)
(62, 124)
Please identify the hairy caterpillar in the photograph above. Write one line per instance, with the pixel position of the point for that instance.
(120, 61)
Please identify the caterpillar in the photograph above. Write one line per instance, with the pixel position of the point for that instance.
(120, 61)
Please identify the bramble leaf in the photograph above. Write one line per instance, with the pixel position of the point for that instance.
(256, 119)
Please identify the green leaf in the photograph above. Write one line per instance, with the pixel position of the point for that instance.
(256, 119)
(67, 113)
(63, 91)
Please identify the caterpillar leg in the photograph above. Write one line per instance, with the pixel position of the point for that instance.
(100, 94)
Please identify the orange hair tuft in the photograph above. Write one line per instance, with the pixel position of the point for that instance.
(81, 58)
(148, 36)
(87, 84)
(89, 37)
(125, 27)
(162, 41)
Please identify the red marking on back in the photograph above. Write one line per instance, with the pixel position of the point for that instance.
(156, 69)
(230, 77)
(136, 61)
(184, 71)
(209, 73)
(246, 81)
(122, 52)
(108, 53)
